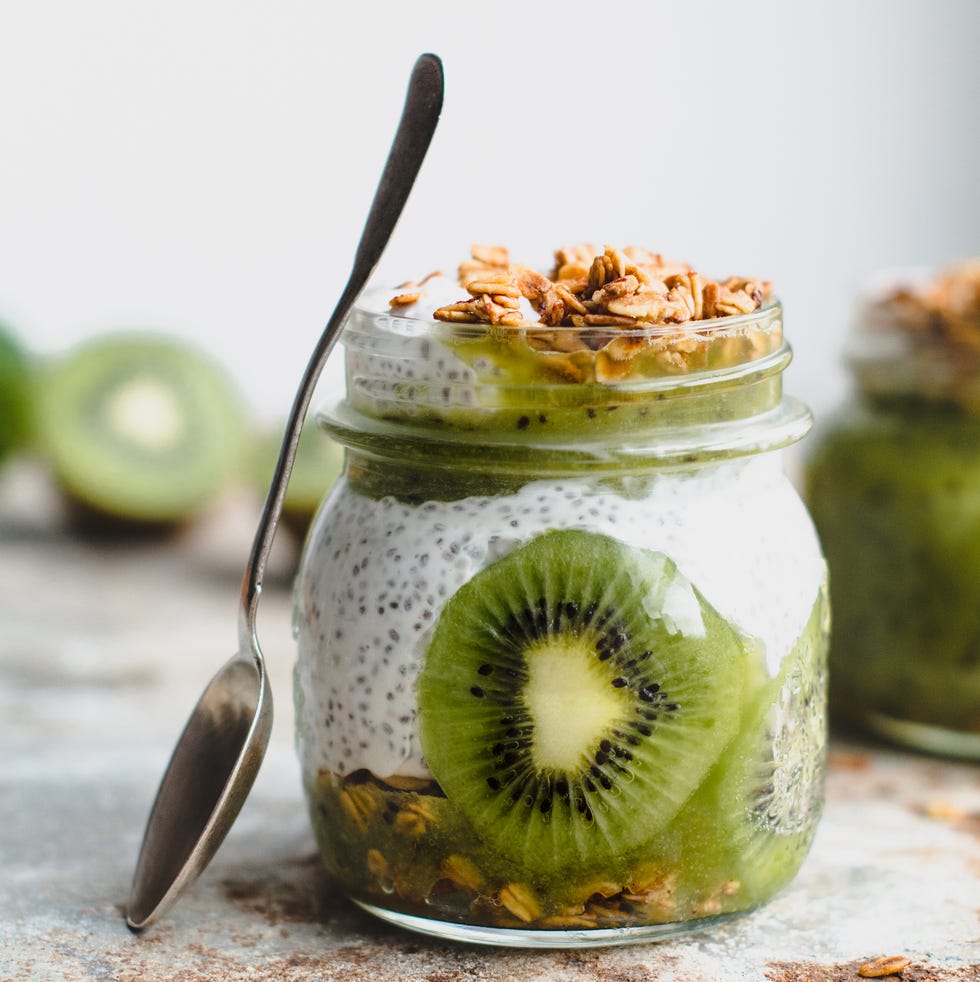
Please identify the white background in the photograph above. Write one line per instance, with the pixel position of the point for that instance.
(204, 167)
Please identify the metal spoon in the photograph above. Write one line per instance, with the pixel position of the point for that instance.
(219, 752)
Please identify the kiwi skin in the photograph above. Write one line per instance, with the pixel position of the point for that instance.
(114, 484)
(16, 394)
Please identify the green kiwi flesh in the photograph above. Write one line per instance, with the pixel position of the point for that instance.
(318, 463)
(754, 817)
(140, 427)
(573, 696)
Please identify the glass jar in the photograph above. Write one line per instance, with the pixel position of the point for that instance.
(894, 487)
(562, 631)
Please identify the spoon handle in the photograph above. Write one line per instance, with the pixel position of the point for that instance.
(423, 103)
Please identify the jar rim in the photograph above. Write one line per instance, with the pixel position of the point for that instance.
(452, 383)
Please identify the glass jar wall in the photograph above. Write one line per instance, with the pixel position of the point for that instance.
(561, 674)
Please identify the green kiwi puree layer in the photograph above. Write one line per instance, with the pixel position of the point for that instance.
(895, 496)
(738, 836)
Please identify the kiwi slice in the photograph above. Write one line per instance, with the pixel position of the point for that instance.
(140, 427)
(573, 695)
(763, 797)
(15, 394)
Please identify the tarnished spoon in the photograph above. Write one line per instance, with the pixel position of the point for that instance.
(219, 752)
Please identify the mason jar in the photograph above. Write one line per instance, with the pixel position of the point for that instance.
(562, 630)
(894, 487)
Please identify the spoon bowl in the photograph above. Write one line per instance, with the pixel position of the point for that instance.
(210, 774)
(218, 755)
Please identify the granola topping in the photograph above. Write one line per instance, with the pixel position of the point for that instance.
(623, 288)
(944, 311)
(921, 339)
(605, 316)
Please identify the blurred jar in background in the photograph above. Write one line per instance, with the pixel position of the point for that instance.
(894, 488)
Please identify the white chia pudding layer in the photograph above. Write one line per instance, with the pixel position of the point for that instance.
(377, 573)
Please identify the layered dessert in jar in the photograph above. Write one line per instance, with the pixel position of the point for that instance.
(562, 623)
(894, 485)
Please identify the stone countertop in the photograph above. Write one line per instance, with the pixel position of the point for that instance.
(104, 650)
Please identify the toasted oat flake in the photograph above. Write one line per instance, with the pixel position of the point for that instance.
(520, 901)
(405, 299)
(378, 865)
(878, 968)
(462, 871)
(360, 805)
(492, 255)
(413, 819)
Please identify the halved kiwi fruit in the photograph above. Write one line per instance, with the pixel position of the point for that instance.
(573, 695)
(140, 427)
(318, 463)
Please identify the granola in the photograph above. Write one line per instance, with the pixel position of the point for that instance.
(598, 313)
(944, 311)
(627, 288)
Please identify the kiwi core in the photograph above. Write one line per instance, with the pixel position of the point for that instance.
(145, 411)
(570, 700)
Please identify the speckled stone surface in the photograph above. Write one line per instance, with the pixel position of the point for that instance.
(103, 651)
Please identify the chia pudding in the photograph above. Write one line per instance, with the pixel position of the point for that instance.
(562, 623)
